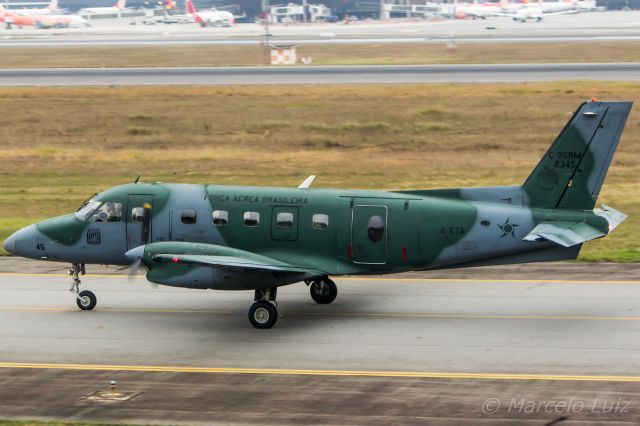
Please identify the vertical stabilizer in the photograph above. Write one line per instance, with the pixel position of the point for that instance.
(191, 9)
(572, 171)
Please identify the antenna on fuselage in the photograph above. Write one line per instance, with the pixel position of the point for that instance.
(137, 180)
(307, 182)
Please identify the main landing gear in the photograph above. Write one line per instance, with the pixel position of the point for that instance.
(323, 291)
(85, 299)
(263, 313)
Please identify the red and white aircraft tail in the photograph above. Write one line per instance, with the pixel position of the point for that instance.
(191, 9)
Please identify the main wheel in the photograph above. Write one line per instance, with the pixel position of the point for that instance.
(323, 291)
(86, 300)
(263, 314)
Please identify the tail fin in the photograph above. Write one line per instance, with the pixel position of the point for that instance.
(53, 5)
(191, 9)
(121, 4)
(572, 171)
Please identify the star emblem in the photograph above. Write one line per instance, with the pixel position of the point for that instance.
(508, 229)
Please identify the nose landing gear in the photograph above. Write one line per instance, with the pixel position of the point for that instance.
(85, 299)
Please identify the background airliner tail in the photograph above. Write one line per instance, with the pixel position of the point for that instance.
(191, 9)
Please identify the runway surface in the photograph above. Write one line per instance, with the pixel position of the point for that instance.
(414, 325)
(479, 73)
(386, 350)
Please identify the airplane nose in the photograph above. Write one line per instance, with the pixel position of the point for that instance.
(20, 242)
(10, 244)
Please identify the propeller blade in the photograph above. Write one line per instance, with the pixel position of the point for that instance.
(133, 270)
(135, 255)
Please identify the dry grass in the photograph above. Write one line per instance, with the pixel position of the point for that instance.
(60, 145)
(123, 56)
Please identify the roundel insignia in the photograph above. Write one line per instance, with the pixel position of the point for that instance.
(508, 228)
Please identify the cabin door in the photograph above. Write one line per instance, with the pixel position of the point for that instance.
(137, 228)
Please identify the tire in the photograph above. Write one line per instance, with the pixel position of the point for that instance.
(263, 314)
(323, 291)
(86, 300)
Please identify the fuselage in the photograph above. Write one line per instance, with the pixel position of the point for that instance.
(335, 231)
(44, 20)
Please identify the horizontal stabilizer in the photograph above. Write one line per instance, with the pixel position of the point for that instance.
(564, 233)
(613, 216)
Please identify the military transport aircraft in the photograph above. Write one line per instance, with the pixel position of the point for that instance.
(260, 238)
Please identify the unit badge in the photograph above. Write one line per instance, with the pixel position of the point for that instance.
(93, 237)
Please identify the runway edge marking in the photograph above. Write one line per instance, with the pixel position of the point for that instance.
(333, 373)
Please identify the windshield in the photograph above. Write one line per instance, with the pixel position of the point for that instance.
(87, 210)
(85, 202)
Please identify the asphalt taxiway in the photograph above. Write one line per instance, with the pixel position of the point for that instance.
(461, 73)
(386, 349)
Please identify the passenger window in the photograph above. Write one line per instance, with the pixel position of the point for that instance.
(375, 228)
(220, 217)
(284, 220)
(108, 212)
(188, 216)
(320, 221)
(251, 218)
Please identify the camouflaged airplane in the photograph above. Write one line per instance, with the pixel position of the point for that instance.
(259, 238)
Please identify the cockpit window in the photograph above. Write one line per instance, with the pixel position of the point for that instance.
(87, 201)
(108, 212)
(87, 210)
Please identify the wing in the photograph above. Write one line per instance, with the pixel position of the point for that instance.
(561, 12)
(231, 262)
(196, 265)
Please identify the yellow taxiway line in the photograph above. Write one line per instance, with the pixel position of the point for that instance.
(332, 373)
(329, 313)
(368, 278)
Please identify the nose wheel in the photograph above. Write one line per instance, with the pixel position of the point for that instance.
(85, 299)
